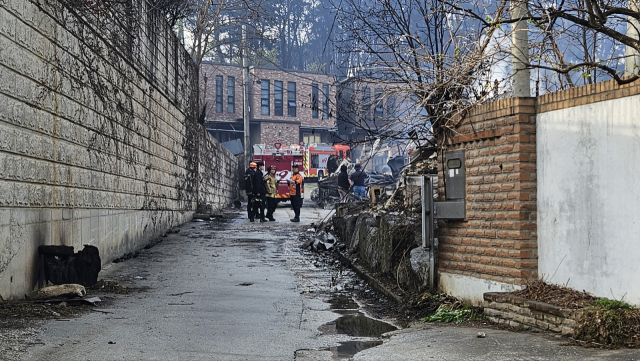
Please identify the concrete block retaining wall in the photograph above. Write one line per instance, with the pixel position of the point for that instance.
(99, 140)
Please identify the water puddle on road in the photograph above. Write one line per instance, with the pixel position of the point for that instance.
(347, 349)
(353, 323)
(343, 302)
(357, 325)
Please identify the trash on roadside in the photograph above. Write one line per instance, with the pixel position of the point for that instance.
(67, 290)
(63, 266)
(72, 301)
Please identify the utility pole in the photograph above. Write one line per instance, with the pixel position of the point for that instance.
(632, 57)
(520, 50)
(246, 83)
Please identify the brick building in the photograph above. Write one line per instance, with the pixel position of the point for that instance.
(284, 106)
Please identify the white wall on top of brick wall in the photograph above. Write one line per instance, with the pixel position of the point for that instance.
(589, 197)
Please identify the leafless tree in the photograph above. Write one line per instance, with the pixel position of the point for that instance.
(174, 10)
(576, 42)
(426, 58)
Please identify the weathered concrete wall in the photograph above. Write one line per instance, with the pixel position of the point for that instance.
(218, 176)
(589, 189)
(99, 142)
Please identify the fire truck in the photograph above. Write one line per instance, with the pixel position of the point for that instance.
(316, 157)
(283, 158)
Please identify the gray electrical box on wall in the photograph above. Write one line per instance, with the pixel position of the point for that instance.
(454, 206)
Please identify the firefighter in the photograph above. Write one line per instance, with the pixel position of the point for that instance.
(248, 187)
(259, 193)
(296, 188)
(272, 191)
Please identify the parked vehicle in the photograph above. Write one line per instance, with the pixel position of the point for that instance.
(316, 157)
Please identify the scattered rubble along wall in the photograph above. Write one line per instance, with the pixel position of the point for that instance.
(383, 244)
(99, 140)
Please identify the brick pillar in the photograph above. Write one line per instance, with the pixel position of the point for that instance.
(498, 242)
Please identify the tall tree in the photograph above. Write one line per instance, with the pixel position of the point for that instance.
(212, 28)
(415, 50)
(577, 42)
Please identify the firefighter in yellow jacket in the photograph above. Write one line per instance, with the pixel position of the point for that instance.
(296, 192)
(272, 191)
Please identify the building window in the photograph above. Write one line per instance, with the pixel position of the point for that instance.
(314, 100)
(391, 107)
(366, 104)
(325, 101)
(378, 110)
(277, 95)
(231, 94)
(265, 87)
(310, 138)
(291, 99)
(219, 94)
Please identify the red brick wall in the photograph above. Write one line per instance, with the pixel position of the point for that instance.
(498, 241)
(587, 94)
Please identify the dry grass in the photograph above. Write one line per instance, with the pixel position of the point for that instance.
(609, 324)
(560, 296)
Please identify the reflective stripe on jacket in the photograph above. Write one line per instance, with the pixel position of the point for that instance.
(296, 184)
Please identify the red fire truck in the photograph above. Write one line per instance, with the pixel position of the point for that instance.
(316, 157)
(283, 158)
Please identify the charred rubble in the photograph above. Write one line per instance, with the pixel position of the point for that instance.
(381, 236)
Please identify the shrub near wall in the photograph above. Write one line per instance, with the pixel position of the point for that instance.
(99, 142)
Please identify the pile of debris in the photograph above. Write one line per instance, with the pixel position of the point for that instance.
(320, 241)
(386, 183)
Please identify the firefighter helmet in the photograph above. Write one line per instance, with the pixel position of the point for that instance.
(253, 165)
(273, 167)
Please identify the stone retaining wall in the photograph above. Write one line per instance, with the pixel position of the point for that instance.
(386, 245)
(99, 139)
(514, 311)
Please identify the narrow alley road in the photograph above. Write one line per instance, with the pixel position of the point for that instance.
(233, 290)
(214, 291)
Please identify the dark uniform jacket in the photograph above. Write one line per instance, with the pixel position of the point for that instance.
(259, 187)
(343, 180)
(248, 180)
